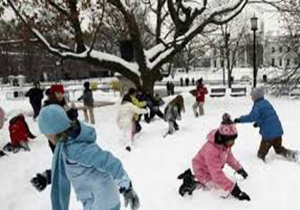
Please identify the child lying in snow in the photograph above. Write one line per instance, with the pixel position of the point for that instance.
(19, 135)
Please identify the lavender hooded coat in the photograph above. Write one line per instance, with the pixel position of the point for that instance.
(208, 163)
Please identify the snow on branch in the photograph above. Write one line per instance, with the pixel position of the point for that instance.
(194, 5)
(161, 56)
(224, 14)
(100, 56)
(133, 67)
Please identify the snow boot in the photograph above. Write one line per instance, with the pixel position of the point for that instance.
(2, 153)
(189, 183)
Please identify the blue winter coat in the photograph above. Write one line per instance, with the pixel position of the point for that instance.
(95, 174)
(266, 118)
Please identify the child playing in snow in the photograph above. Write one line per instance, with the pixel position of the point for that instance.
(55, 95)
(19, 135)
(210, 160)
(266, 118)
(95, 174)
(199, 93)
(88, 103)
(173, 112)
(126, 122)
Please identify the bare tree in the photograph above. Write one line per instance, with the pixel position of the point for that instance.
(57, 24)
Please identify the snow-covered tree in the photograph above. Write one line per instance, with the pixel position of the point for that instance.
(71, 29)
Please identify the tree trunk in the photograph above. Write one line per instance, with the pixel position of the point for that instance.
(148, 83)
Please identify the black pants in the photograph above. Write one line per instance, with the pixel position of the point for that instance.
(137, 127)
(156, 112)
(36, 108)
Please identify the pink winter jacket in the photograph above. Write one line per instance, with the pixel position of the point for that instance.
(208, 163)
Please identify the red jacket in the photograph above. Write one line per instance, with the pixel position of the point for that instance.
(18, 130)
(208, 163)
(199, 93)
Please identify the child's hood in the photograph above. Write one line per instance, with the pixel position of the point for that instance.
(87, 134)
(211, 136)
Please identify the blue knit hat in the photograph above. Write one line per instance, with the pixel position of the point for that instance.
(53, 119)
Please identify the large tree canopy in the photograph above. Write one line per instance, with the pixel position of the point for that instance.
(88, 30)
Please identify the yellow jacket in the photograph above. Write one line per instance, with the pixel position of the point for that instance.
(140, 104)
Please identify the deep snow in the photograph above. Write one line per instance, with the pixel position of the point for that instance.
(155, 163)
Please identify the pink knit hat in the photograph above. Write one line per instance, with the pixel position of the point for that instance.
(227, 127)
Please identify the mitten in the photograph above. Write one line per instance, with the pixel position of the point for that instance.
(243, 173)
(131, 198)
(237, 120)
(237, 193)
(40, 181)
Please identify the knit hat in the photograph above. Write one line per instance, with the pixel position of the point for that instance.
(257, 93)
(53, 119)
(57, 88)
(227, 129)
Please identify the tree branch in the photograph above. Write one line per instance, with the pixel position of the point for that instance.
(76, 26)
(97, 29)
(134, 34)
(59, 9)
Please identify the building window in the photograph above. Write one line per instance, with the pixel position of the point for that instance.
(273, 49)
(280, 62)
(288, 49)
(222, 63)
(215, 63)
(273, 61)
(288, 62)
(280, 49)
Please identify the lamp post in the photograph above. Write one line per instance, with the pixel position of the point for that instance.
(227, 37)
(254, 28)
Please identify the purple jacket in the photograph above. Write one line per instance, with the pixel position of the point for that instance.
(208, 163)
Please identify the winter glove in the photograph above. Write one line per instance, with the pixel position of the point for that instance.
(237, 120)
(255, 125)
(40, 181)
(243, 173)
(130, 197)
(237, 193)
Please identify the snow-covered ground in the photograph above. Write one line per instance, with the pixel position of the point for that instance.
(155, 162)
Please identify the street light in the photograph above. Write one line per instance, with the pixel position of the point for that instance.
(227, 37)
(254, 28)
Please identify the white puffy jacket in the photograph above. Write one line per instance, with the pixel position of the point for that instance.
(126, 113)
